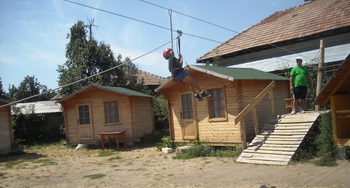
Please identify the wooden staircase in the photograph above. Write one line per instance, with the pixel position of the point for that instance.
(279, 139)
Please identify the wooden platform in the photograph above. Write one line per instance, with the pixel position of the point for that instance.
(279, 139)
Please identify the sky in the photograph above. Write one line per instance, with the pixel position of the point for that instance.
(33, 35)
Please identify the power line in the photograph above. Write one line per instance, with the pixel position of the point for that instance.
(138, 20)
(97, 74)
(222, 27)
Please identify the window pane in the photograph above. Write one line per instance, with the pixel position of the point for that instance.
(111, 112)
(186, 103)
(84, 115)
(217, 103)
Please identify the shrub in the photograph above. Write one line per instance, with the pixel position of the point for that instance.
(325, 143)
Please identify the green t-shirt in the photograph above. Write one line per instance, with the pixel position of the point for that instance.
(300, 76)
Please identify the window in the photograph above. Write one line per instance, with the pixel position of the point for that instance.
(84, 115)
(217, 107)
(187, 111)
(111, 112)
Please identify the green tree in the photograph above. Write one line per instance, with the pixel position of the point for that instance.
(86, 57)
(2, 92)
(30, 86)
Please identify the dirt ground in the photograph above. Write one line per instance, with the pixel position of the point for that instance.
(58, 166)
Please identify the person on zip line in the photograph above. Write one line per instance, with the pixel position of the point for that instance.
(179, 73)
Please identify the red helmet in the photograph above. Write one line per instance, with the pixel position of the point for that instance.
(165, 52)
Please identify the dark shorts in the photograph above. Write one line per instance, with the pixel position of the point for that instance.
(181, 75)
(300, 92)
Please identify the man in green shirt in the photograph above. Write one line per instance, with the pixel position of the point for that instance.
(299, 80)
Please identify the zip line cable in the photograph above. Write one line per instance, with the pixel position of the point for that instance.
(134, 19)
(97, 74)
(127, 17)
(222, 27)
(171, 30)
(171, 27)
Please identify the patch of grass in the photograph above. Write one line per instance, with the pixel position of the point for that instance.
(106, 153)
(114, 158)
(325, 161)
(45, 162)
(11, 164)
(209, 151)
(95, 176)
(47, 145)
(2, 175)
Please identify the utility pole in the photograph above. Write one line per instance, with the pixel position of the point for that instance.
(320, 72)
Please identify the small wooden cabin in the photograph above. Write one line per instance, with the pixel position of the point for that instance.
(6, 135)
(232, 89)
(95, 109)
(337, 93)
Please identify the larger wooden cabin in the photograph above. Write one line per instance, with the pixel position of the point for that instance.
(337, 93)
(6, 135)
(95, 109)
(231, 89)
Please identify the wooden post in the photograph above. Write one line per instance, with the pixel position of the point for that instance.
(320, 72)
(255, 121)
(243, 134)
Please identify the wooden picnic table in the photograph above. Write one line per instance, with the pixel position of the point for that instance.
(112, 134)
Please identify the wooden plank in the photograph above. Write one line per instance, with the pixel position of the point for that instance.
(277, 139)
(280, 137)
(260, 151)
(270, 157)
(283, 133)
(255, 148)
(277, 146)
(262, 162)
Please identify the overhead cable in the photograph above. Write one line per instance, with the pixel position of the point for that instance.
(72, 83)
(225, 28)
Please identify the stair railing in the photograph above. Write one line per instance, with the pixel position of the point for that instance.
(251, 107)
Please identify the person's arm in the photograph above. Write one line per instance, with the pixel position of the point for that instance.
(291, 81)
(180, 60)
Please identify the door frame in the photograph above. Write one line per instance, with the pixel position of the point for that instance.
(190, 122)
(80, 127)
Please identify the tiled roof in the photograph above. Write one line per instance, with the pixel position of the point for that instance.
(39, 107)
(150, 79)
(295, 23)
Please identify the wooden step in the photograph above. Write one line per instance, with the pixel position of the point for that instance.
(264, 162)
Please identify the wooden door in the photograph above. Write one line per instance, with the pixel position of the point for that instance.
(188, 120)
(84, 122)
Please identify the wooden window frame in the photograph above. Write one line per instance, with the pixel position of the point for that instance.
(78, 117)
(217, 119)
(192, 106)
(105, 115)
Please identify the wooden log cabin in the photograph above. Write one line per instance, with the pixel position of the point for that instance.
(6, 135)
(95, 109)
(213, 120)
(337, 93)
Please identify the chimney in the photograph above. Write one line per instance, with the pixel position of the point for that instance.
(307, 1)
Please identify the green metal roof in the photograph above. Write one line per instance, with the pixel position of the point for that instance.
(119, 90)
(238, 73)
(123, 91)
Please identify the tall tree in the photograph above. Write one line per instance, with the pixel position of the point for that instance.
(87, 57)
(30, 86)
(2, 92)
